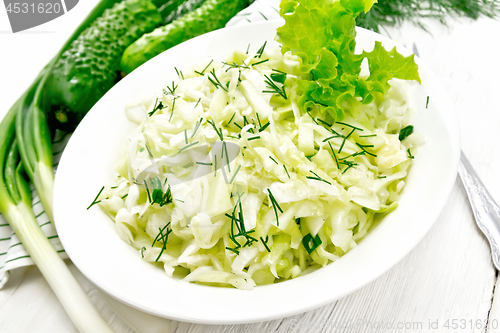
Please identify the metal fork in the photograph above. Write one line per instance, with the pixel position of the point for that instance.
(486, 210)
(484, 207)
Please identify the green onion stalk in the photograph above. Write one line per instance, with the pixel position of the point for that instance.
(15, 205)
(26, 155)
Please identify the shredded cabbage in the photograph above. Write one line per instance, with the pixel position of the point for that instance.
(226, 182)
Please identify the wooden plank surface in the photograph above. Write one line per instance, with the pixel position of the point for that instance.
(448, 276)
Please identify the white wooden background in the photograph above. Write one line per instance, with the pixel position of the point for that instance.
(448, 276)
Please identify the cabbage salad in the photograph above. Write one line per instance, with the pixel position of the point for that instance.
(240, 173)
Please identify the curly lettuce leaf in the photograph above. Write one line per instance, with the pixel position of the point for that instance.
(322, 34)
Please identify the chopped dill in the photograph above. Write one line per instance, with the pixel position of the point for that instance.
(215, 80)
(334, 156)
(157, 107)
(260, 51)
(274, 89)
(263, 128)
(95, 200)
(204, 69)
(364, 150)
(348, 125)
(235, 173)
(217, 130)
(316, 177)
(179, 73)
(198, 123)
(310, 115)
(230, 120)
(199, 100)
(272, 159)
(284, 166)
(259, 62)
(345, 139)
(188, 146)
(265, 243)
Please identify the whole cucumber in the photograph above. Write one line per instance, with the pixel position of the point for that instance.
(212, 15)
(90, 65)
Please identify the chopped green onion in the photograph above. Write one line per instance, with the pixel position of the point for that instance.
(279, 77)
(311, 243)
(405, 132)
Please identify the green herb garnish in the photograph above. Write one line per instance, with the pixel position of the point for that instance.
(235, 173)
(204, 69)
(217, 130)
(187, 146)
(265, 243)
(276, 206)
(364, 150)
(410, 155)
(311, 243)
(163, 238)
(284, 166)
(316, 177)
(215, 80)
(345, 139)
(259, 62)
(156, 107)
(274, 89)
(95, 200)
(254, 138)
(405, 132)
(179, 73)
(260, 51)
(198, 123)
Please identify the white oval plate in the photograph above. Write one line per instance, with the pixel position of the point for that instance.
(91, 241)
